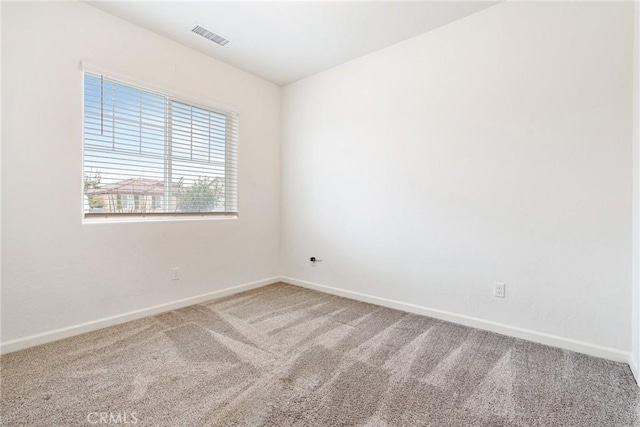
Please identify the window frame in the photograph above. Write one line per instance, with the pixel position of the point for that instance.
(172, 96)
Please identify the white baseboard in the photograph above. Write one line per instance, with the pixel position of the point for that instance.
(634, 369)
(487, 325)
(57, 334)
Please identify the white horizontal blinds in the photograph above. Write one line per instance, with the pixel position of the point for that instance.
(201, 137)
(147, 153)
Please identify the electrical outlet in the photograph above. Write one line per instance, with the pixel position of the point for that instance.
(498, 290)
(175, 273)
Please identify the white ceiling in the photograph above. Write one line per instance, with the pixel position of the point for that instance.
(285, 41)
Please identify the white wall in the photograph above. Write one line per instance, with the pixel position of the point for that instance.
(497, 148)
(635, 299)
(57, 272)
(493, 149)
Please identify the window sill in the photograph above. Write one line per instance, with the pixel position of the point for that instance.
(160, 218)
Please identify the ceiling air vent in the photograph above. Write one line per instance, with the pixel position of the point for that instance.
(209, 35)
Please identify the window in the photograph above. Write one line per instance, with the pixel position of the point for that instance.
(147, 153)
(157, 202)
(127, 202)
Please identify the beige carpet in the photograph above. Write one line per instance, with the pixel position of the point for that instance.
(286, 356)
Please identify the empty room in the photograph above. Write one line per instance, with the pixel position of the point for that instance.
(320, 213)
